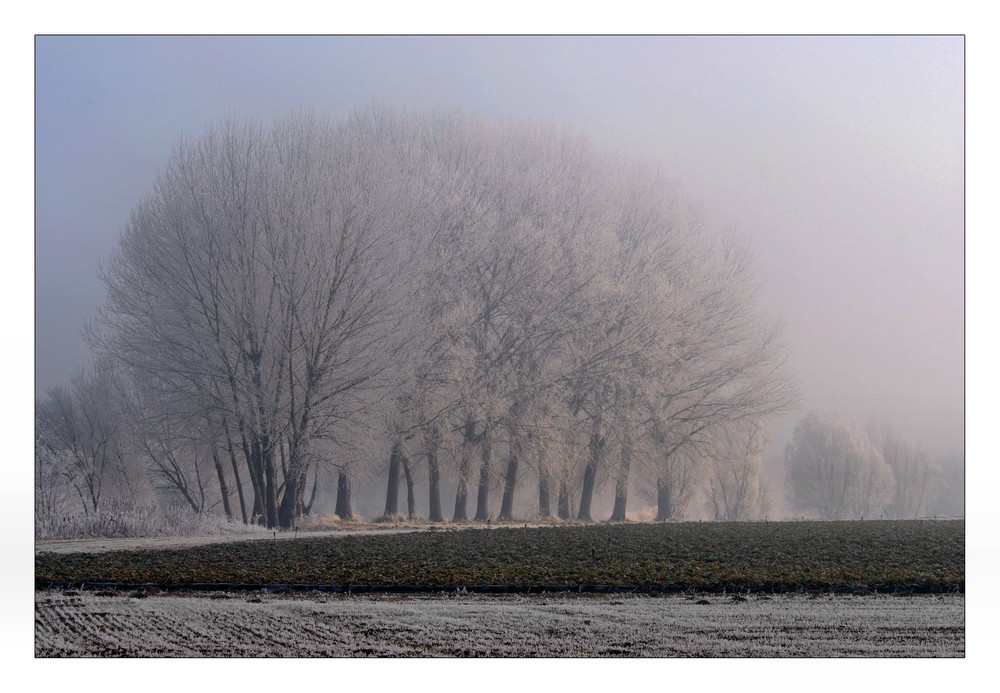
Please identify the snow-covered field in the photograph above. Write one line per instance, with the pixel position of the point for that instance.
(271, 625)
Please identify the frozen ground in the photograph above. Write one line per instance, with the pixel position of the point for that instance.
(270, 625)
(98, 545)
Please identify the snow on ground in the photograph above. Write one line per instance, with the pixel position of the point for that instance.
(272, 625)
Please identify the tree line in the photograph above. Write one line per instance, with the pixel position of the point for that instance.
(481, 303)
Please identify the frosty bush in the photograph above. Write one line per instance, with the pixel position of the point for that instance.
(120, 519)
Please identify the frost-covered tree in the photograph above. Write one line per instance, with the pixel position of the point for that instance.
(79, 430)
(185, 456)
(54, 474)
(727, 367)
(950, 501)
(426, 403)
(835, 470)
(736, 482)
(439, 298)
(679, 474)
(258, 280)
(917, 479)
(511, 211)
(615, 353)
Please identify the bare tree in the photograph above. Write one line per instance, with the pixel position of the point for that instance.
(257, 282)
(735, 490)
(80, 427)
(54, 472)
(917, 478)
(835, 470)
(681, 347)
(679, 474)
(503, 271)
(490, 300)
(950, 500)
(175, 448)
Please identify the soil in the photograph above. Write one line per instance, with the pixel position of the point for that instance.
(84, 623)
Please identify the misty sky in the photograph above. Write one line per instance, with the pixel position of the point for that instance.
(840, 157)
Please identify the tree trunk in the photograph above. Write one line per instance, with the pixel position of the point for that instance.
(462, 490)
(267, 490)
(483, 496)
(621, 497)
(663, 509)
(306, 508)
(343, 509)
(434, 480)
(286, 506)
(296, 473)
(291, 499)
(392, 487)
(271, 485)
(223, 488)
(564, 510)
(621, 486)
(461, 500)
(411, 503)
(258, 509)
(236, 475)
(256, 470)
(509, 484)
(588, 493)
(590, 475)
(544, 509)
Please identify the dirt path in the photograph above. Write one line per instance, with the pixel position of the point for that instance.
(267, 625)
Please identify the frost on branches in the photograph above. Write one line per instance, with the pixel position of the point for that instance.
(836, 471)
(437, 300)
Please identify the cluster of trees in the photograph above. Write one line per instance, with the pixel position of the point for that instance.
(472, 303)
(838, 470)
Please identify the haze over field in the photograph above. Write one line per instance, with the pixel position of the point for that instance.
(840, 158)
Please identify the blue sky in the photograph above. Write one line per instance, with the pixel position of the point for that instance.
(840, 157)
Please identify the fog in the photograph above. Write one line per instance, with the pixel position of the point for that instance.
(841, 158)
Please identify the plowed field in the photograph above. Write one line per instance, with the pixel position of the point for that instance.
(261, 625)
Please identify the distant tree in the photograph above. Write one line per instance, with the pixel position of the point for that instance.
(835, 470)
(918, 480)
(79, 429)
(54, 474)
(950, 501)
(736, 482)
